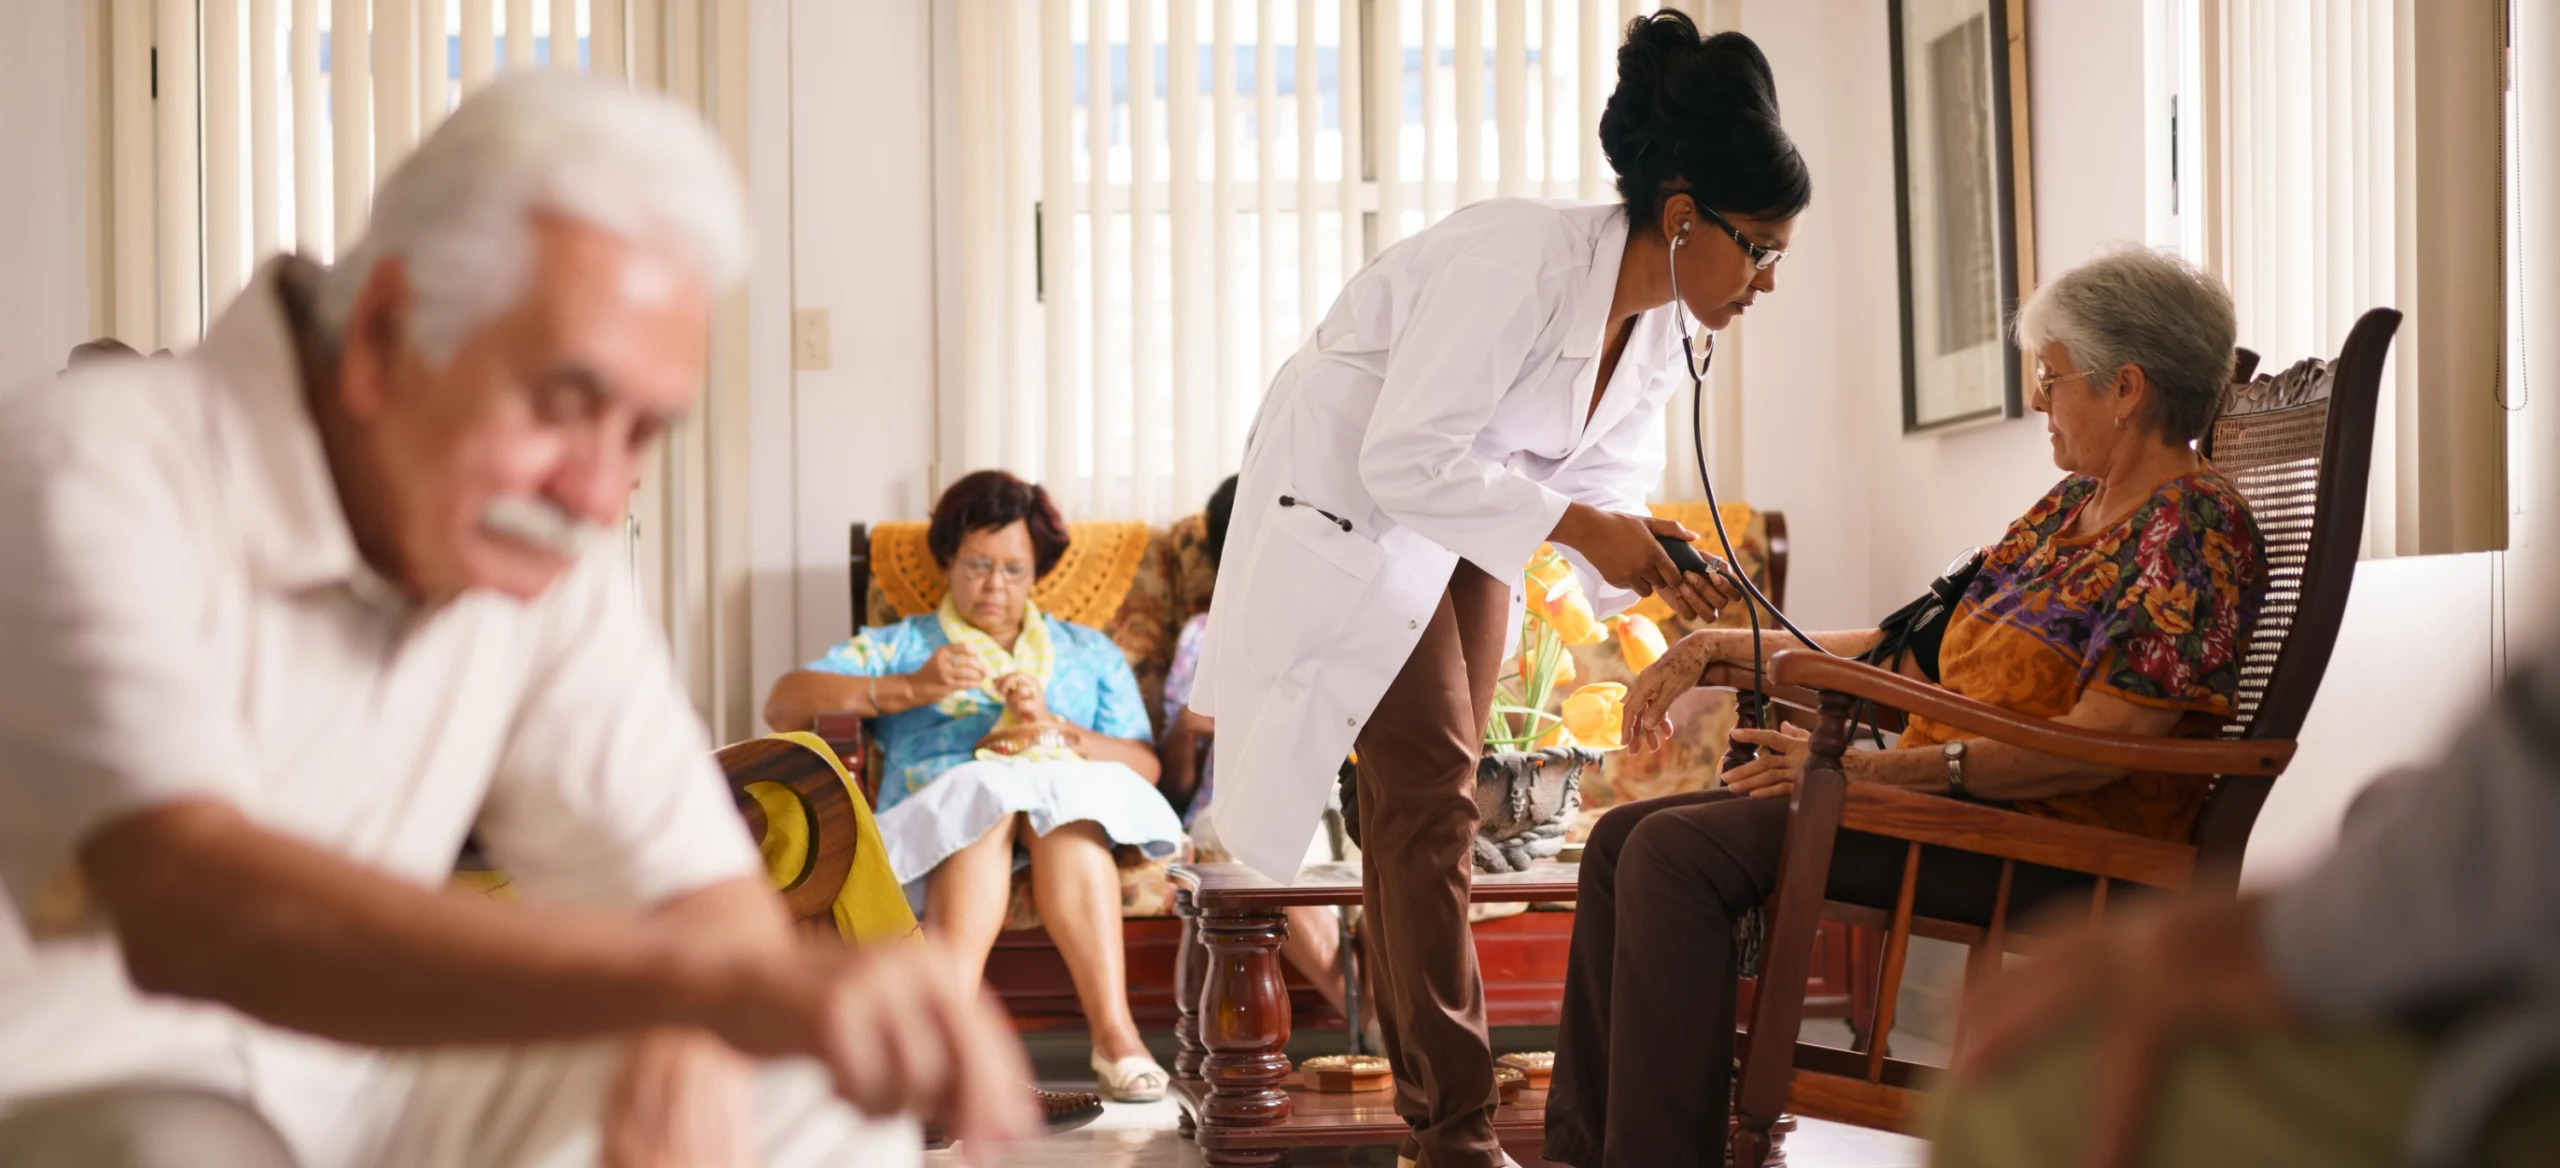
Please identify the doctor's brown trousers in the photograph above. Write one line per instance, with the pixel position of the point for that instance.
(1417, 817)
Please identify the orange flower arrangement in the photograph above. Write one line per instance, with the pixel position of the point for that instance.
(1532, 708)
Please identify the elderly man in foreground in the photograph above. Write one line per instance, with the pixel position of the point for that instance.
(282, 620)
(2399, 1004)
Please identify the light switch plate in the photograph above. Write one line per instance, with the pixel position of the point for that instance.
(809, 343)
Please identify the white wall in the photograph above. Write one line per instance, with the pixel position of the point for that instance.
(856, 438)
(44, 233)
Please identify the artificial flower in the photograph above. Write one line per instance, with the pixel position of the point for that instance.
(1569, 613)
(1639, 640)
(1595, 714)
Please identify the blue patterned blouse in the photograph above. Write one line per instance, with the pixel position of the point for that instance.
(1090, 685)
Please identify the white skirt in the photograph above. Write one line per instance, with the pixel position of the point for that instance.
(957, 808)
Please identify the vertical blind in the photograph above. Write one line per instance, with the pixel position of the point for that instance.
(1163, 196)
(242, 128)
(2355, 148)
(236, 129)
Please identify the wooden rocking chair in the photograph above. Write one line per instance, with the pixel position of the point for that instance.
(2298, 445)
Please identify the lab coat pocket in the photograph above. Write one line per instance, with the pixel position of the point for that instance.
(1309, 575)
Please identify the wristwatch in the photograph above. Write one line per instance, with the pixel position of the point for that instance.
(1954, 752)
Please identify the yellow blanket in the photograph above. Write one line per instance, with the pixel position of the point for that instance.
(870, 906)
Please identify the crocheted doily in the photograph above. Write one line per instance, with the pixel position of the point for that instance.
(1087, 587)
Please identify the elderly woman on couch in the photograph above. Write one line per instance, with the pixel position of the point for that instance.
(2122, 600)
(1012, 737)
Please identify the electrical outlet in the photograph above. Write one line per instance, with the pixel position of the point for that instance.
(809, 347)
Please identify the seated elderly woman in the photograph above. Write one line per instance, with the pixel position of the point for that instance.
(1011, 737)
(2122, 600)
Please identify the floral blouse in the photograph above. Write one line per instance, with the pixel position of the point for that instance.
(1090, 685)
(2156, 610)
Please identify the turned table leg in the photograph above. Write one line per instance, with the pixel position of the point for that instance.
(1243, 1022)
(1190, 973)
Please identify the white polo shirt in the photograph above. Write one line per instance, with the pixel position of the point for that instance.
(183, 613)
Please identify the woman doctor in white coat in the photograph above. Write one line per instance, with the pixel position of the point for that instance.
(1492, 383)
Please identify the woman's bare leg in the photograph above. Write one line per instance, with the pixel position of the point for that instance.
(1078, 890)
(964, 898)
(1315, 948)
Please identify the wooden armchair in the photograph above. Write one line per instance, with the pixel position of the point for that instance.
(2298, 445)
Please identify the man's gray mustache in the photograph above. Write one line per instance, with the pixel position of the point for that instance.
(542, 524)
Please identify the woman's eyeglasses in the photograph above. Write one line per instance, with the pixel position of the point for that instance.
(979, 569)
(2046, 381)
(1762, 258)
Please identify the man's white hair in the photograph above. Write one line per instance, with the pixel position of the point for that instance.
(459, 212)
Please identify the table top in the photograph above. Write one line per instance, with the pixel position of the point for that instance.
(1233, 886)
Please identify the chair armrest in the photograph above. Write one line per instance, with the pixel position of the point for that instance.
(1739, 677)
(831, 819)
(2033, 839)
(2132, 752)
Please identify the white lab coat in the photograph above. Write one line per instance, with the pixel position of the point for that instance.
(1439, 409)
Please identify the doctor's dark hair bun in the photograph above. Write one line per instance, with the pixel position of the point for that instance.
(1700, 116)
(992, 500)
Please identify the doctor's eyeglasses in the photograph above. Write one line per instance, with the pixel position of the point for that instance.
(1762, 258)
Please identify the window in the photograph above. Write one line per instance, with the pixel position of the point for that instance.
(2356, 153)
(1157, 200)
(230, 130)
(242, 128)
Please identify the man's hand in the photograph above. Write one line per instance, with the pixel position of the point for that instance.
(950, 670)
(896, 1031)
(2151, 980)
(682, 1099)
(1627, 552)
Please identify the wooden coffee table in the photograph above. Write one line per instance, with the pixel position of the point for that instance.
(1239, 1099)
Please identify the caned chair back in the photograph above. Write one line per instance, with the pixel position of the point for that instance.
(2299, 445)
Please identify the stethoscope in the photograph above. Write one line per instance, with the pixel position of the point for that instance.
(1691, 561)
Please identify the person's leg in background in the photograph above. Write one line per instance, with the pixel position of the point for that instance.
(965, 896)
(1077, 887)
(1417, 806)
(140, 1127)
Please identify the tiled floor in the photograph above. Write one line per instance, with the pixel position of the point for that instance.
(1143, 1135)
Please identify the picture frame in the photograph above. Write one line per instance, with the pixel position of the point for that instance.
(1964, 203)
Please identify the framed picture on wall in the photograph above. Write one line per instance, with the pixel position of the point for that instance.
(1966, 211)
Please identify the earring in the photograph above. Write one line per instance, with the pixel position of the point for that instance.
(2119, 421)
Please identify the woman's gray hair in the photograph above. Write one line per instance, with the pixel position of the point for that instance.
(459, 212)
(2148, 308)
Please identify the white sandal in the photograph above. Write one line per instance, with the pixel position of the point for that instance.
(1136, 1079)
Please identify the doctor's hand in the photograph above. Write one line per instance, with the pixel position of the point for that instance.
(1627, 552)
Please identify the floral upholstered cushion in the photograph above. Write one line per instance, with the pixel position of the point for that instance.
(1194, 577)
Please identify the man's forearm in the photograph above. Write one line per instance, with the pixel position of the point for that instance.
(208, 905)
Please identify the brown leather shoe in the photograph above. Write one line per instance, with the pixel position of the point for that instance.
(1065, 1111)
(1060, 1111)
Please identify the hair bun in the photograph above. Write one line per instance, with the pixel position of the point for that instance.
(1699, 114)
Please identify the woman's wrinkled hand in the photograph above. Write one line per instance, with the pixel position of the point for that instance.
(951, 669)
(1772, 775)
(1783, 752)
(1646, 724)
(1023, 694)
